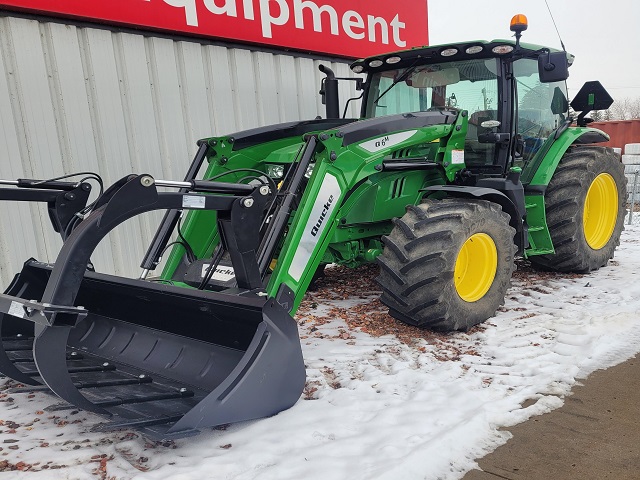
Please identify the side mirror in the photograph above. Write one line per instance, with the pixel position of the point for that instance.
(592, 96)
(559, 103)
(553, 67)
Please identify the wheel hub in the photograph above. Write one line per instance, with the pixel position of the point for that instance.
(600, 211)
(476, 267)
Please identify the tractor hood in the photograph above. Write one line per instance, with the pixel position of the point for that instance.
(376, 127)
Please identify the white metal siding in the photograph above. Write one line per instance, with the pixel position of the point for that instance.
(82, 99)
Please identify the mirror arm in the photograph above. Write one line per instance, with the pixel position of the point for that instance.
(359, 81)
(581, 121)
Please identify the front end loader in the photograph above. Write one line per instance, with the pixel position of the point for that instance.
(464, 158)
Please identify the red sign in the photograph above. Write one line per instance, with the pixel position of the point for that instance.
(350, 28)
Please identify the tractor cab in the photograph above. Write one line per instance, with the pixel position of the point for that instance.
(511, 109)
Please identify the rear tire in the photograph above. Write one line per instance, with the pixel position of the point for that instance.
(447, 263)
(585, 206)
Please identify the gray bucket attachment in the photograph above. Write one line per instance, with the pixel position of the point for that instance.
(159, 358)
(166, 360)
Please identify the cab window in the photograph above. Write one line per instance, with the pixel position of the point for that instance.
(470, 85)
(542, 107)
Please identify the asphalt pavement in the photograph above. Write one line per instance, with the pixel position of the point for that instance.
(595, 435)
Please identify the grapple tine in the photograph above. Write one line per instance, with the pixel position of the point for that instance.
(50, 355)
(7, 367)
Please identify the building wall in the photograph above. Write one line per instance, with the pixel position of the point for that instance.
(77, 99)
(621, 132)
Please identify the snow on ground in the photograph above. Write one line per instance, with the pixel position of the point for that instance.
(374, 407)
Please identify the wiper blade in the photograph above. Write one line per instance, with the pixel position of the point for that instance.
(401, 78)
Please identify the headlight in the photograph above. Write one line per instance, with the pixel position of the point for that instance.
(275, 171)
(502, 49)
(449, 52)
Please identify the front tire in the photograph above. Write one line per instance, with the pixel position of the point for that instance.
(585, 206)
(447, 263)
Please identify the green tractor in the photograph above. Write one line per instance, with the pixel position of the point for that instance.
(464, 158)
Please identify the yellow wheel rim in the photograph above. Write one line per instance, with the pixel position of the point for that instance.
(600, 211)
(476, 267)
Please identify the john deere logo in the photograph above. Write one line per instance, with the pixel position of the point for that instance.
(323, 214)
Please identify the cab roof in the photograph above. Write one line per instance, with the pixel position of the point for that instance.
(449, 53)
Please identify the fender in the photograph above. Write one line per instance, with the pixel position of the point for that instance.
(538, 172)
(492, 195)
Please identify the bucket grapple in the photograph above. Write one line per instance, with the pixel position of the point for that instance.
(165, 359)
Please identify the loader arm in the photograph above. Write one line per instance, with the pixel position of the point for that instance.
(344, 159)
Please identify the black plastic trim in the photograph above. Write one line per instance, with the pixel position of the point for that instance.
(356, 132)
(270, 133)
(491, 195)
(431, 54)
(591, 136)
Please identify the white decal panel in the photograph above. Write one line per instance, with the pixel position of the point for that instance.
(457, 157)
(222, 273)
(193, 201)
(328, 198)
(17, 310)
(386, 141)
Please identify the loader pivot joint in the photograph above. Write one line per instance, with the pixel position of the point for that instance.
(64, 199)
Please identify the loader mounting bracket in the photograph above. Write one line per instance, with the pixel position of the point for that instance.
(64, 199)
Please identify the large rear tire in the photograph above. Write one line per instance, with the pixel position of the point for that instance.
(447, 263)
(585, 205)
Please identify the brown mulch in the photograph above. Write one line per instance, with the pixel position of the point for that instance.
(526, 273)
(372, 317)
(636, 206)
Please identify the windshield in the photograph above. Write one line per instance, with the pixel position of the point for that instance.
(466, 85)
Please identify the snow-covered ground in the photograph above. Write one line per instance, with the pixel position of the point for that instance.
(374, 407)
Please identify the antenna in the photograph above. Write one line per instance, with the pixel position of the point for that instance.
(554, 24)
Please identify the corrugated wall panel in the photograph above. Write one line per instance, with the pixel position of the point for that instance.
(266, 88)
(287, 93)
(167, 103)
(34, 118)
(16, 228)
(220, 98)
(621, 132)
(109, 111)
(74, 121)
(82, 99)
